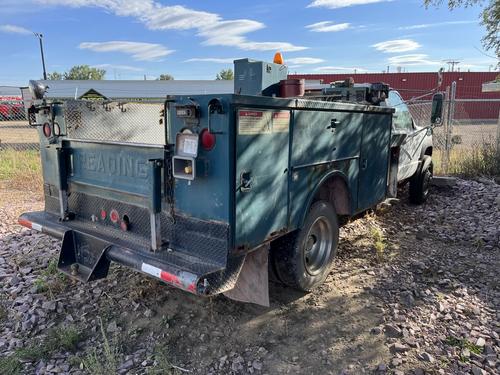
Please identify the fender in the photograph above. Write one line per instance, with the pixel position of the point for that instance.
(324, 178)
(427, 142)
(426, 163)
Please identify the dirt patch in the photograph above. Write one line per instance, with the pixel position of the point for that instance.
(414, 290)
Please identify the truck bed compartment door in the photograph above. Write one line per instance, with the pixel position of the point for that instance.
(374, 159)
(261, 174)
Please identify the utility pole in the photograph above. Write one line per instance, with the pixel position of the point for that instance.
(451, 65)
(40, 37)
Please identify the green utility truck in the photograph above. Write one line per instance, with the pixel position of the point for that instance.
(203, 191)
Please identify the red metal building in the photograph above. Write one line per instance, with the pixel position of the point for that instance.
(413, 85)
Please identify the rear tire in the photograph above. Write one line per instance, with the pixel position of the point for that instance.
(420, 182)
(302, 259)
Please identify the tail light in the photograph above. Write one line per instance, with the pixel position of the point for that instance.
(207, 140)
(113, 216)
(47, 131)
(104, 214)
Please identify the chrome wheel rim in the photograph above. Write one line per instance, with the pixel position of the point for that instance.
(318, 245)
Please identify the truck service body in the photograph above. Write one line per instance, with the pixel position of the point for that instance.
(197, 190)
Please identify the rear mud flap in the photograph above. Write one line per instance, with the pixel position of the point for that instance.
(83, 256)
(253, 281)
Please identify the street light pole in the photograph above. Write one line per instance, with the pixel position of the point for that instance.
(40, 37)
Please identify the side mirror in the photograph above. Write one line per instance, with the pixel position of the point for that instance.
(437, 109)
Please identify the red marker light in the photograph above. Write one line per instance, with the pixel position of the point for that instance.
(113, 216)
(47, 131)
(104, 214)
(207, 139)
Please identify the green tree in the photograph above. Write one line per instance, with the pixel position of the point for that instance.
(165, 77)
(490, 18)
(84, 72)
(226, 74)
(55, 76)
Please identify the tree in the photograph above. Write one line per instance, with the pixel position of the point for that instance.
(55, 76)
(165, 77)
(84, 72)
(490, 18)
(225, 74)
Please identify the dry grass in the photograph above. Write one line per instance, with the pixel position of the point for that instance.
(481, 160)
(22, 171)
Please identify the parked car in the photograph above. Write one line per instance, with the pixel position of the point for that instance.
(11, 108)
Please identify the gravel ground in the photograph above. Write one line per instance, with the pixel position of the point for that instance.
(425, 302)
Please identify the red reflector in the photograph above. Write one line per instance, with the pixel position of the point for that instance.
(24, 223)
(169, 278)
(113, 216)
(103, 214)
(207, 139)
(46, 130)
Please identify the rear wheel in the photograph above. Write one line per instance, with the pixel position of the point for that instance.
(421, 181)
(302, 260)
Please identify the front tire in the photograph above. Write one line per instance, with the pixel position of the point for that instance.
(302, 260)
(421, 181)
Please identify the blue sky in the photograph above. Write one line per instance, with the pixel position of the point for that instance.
(195, 39)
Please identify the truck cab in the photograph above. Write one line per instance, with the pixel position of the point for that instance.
(417, 140)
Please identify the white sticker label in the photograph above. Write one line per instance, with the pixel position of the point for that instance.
(190, 146)
(254, 122)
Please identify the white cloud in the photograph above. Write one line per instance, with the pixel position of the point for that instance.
(438, 24)
(328, 26)
(397, 46)
(138, 51)
(212, 60)
(334, 4)
(13, 29)
(414, 59)
(304, 61)
(211, 26)
(118, 67)
(327, 69)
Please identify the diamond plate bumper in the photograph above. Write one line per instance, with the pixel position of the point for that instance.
(86, 253)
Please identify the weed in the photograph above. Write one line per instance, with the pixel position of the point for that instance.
(4, 312)
(10, 365)
(33, 353)
(65, 339)
(463, 344)
(378, 242)
(51, 280)
(57, 340)
(107, 362)
(41, 285)
(478, 243)
(163, 366)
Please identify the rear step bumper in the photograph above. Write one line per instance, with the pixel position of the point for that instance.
(86, 255)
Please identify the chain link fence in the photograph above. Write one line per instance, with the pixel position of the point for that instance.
(468, 141)
(15, 133)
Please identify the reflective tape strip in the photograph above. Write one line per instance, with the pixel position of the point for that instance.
(152, 270)
(185, 280)
(29, 224)
(36, 226)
